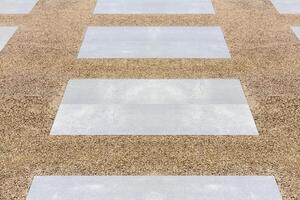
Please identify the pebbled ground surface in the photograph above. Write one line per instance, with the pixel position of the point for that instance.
(42, 56)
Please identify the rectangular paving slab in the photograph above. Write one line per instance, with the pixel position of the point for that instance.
(296, 30)
(154, 42)
(154, 7)
(16, 6)
(6, 32)
(154, 188)
(154, 107)
(287, 6)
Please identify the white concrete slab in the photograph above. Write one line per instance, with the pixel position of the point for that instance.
(154, 188)
(16, 6)
(154, 7)
(154, 42)
(296, 30)
(287, 6)
(154, 107)
(6, 32)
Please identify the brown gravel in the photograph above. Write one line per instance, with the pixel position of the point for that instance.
(41, 58)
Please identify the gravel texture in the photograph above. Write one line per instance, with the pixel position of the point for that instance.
(42, 56)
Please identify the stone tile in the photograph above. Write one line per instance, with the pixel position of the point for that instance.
(154, 42)
(154, 7)
(154, 91)
(287, 6)
(154, 107)
(16, 6)
(6, 32)
(154, 188)
(296, 30)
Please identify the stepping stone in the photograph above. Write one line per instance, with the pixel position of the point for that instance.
(154, 42)
(154, 7)
(16, 6)
(6, 32)
(296, 30)
(287, 6)
(154, 107)
(154, 188)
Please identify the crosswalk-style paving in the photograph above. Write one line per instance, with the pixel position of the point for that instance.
(16, 6)
(160, 107)
(154, 42)
(154, 7)
(6, 32)
(154, 188)
(154, 107)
